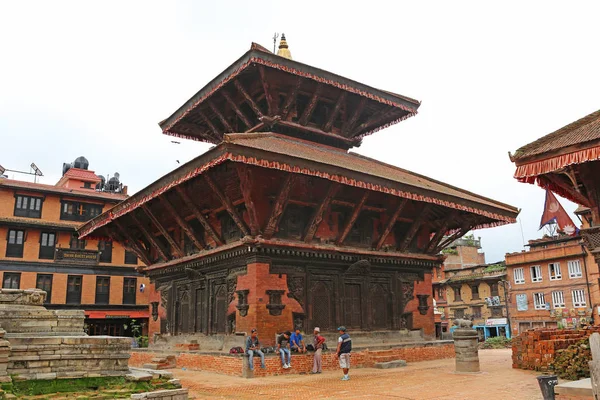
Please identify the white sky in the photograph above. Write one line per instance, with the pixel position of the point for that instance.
(95, 78)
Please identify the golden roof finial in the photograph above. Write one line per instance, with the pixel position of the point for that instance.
(284, 51)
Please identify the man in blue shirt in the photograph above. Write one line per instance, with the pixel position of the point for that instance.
(344, 348)
(252, 348)
(297, 342)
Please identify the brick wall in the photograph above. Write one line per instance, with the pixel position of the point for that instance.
(301, 363)
(535, 349)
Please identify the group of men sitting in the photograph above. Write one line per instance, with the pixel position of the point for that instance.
(288, 342)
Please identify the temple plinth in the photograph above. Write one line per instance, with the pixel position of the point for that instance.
(278, 225)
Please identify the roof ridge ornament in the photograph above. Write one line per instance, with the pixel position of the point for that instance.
(284, 50)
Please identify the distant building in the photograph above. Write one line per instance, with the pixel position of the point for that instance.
(471, 289)
(41, 249)
(550, 284)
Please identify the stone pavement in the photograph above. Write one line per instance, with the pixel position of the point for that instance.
(419, 380)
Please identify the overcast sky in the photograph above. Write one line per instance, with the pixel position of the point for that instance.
(95, 78)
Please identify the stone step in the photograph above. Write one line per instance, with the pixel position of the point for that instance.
(390, 364)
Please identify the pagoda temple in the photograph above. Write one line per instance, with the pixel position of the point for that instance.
(279, 225)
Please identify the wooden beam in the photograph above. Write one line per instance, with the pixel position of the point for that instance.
(212, 127)
(162, 252)
(318, 131)
(279, 205)
(376, 119)
(162, 230)
(357, 112)
(319, 211)
(181, 222)
(414, 228)
(336, 109)
(353, 217)
(143, 255)
(460, 232)
(581, 199)
(201, 218)
(246, 185)
(237, 110)
(272, 102)
(249, 99)
(439, 235)
(227, 204)
(310, 107)
(390, 224)
(220, 116)
(290, 99)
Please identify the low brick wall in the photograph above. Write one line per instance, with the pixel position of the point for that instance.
(301, 363)
(535, 349)
(173, 394)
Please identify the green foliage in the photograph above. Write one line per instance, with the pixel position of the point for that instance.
(498, 342)
(572, 363)
(450, 251)
(142, 341)
(495, 267)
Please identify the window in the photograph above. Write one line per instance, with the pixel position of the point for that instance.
(102, 289)
(47, 244)
(459, 313)
(457, 294)
(497, 312)
(44, 282)
(494, 289)
(129, 288)
(75, 211)
(475, 292)
(518, 275)
(521, 300)
(438, 272)
(74, 289)
(441, 292)
(574, 269)
(554, 270)
(105, 249)
(76, 243)
(536, 273)
(14, 247)
(476, 312)
(12, 280)
(130, 257)
(538, 301)
(26, 206)
(579, 298)
(558, 299)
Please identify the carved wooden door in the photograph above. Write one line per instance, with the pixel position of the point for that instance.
(322, 315)
(380, 307)
(185, 312)
(220, 309)
(199, 310)
(353, 309)
(177, 327)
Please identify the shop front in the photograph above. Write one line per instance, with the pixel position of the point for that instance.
(493, 327)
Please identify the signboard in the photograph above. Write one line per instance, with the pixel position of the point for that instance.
(522, 302)
(495, 321)
(492, 301)
(77, 256)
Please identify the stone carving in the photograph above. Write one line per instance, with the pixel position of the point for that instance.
(466, 346)
(193, 275)
(275, 306)
(231, 284)
(296, 288)
(29, 297)
(164, 296)
(298, 321)
(361, 267)
(462, 323)
(154, 305)
(242, 304)
(408, 289)
(423, 307)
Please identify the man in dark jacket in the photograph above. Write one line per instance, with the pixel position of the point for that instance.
(252, 348)
(344, 348)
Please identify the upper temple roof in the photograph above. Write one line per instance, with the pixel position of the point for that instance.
(262, 91)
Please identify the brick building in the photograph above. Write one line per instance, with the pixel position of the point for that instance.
(470, 288)
(41, 250)
(550, 284)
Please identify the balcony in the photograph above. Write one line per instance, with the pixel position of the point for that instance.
(89, 257)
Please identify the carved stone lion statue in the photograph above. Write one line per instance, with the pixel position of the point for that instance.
(463, 323)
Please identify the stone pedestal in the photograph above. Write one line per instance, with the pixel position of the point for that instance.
(4, 354)
(466, 347)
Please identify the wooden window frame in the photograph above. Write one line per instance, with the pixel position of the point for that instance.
(13, 276)
(14, 250)
(129, 290)
(27, 211)
(48, 292)
(44, 253)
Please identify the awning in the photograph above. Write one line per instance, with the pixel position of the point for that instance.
(116, 314)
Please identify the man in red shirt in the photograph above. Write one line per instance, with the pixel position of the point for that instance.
(318, 343)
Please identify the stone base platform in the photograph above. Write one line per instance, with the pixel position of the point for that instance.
(576, 390)
(237, 365)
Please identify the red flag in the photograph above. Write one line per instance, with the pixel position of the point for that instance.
(554, 212)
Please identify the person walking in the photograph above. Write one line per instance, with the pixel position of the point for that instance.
(283, 346)
(318, 341)
(252, 348)
(344, 348)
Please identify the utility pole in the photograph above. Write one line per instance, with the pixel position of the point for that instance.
(504, 286)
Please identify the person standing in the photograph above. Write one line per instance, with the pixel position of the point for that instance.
(344, 348)
(283, 346)
(318, 341)
(252, 348)
(297, 342)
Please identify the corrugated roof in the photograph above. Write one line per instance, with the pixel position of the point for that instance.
(584, 130)
(14, 184)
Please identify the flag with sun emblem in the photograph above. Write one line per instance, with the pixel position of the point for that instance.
(554, 212)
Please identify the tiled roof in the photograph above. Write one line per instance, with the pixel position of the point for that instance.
(39, 222)
(311, 151)
(30, 186)
(82, 175)
(584, 130)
